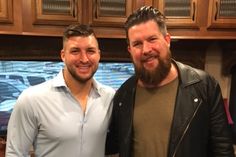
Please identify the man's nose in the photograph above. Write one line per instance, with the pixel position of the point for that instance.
(146, 47)
(83, 57)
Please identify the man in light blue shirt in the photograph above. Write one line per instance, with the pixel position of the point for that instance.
(67, 116)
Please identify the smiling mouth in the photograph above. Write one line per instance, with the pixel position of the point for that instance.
(83, 68)
(149, 59)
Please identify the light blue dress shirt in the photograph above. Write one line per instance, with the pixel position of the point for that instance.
(49, 117)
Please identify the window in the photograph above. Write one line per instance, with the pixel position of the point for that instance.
(15, 76)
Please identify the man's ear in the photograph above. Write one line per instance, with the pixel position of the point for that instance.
(99, 51)
(62, 54)
(168, 39)
(128, 48)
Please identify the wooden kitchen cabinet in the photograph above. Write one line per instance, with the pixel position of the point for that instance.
(108, 16)
(222, 14)
(199, 19)
(186, 19)
(56, 12)
(6, 9)
(50, 17)
(179, 13)
(9, 21)
(110, 13)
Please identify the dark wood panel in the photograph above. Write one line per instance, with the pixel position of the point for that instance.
(29, 47)
(48, 48)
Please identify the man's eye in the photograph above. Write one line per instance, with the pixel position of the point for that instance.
(136, 44)
(74, 51)
(152, 39)
(91, 52)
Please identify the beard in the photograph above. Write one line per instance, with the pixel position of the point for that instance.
(77, 77)
(154, 77)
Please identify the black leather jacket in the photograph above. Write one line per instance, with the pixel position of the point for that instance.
(199, 127)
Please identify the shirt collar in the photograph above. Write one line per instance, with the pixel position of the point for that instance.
(59, 81)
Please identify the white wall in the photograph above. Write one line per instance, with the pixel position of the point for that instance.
(213, 66)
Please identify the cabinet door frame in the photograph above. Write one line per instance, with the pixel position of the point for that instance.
(96, 20)
(6, 11)
(40, 18)
(10, 17)
(214, 21)
(46, 25)
(181, 22)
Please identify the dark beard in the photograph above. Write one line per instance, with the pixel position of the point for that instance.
(78, 78)
(157, 75)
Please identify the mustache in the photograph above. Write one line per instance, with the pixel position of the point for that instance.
(148, 56)
(82, 63)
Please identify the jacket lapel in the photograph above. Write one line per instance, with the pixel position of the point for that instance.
(186, 105)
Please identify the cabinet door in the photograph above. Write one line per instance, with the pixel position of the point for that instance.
(6, 10)
(10, 17)
(56, 12)
(49, 17)
(109, 12)
(179, 13)
(222, 14)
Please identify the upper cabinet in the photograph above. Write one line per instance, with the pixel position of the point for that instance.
(108, 16)
(9, 21)
(49, 17)
(186, 19)
(6, 10)
(199, 19)
(179, 13)
(56, 12)
(222, 14)
(109, 12)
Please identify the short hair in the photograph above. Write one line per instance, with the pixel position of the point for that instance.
(145, 14)
(77, 30)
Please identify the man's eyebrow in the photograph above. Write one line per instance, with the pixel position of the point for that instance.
(74, 48)
(91, 48)
(135, 42)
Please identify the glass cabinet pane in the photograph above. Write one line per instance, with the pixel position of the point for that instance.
(227, 8)
(56, 6)
(112, 8)
(110, 12)
(180, 8)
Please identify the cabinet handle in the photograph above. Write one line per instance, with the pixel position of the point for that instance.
(194, 11)
(96, 9)
(74, 6)
(217, 9)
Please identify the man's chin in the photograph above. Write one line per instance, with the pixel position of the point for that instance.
(83, 79)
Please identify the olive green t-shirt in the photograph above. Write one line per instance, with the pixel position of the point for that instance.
(153, 113)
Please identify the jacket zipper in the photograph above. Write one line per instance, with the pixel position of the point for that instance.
(176, 148)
